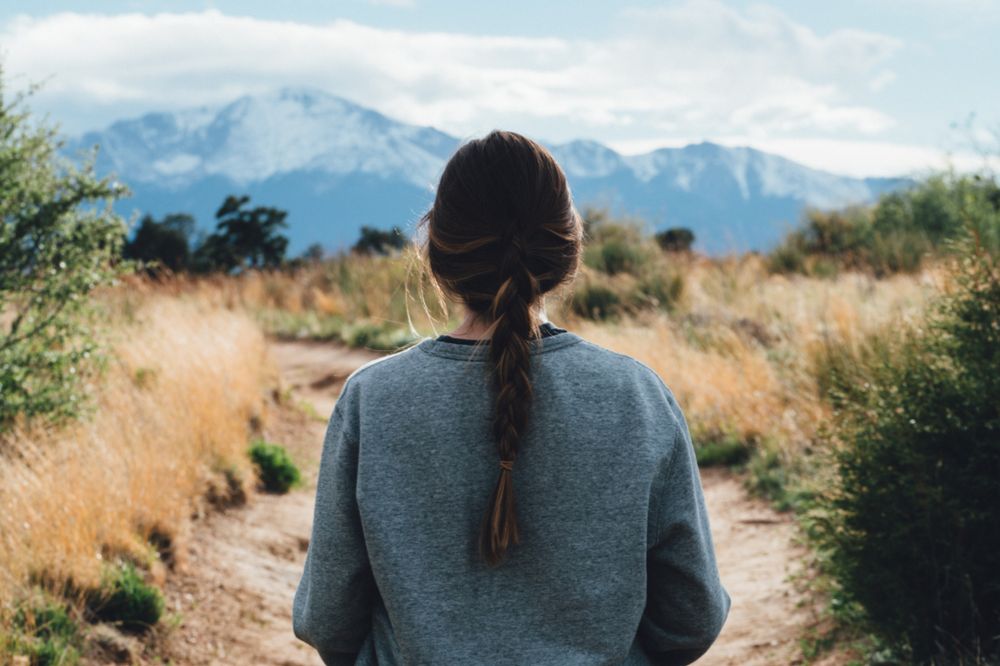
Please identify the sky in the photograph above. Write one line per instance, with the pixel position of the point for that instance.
(874, 87)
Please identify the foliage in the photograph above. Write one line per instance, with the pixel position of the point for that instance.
(58, 243)
(594, 300)
(314, 253)
(912, 530)
(126, 598)
(615, 247)
(726, 450)
(377, 241)
(244, 238)
(660, 288)
(43, 630)
(163, 243)
(376, 336)
(676, 239)
(897, 233)
(275, 468)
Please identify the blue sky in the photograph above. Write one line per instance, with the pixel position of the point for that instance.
(877, 87)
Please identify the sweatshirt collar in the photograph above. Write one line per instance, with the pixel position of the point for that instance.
(481, 352)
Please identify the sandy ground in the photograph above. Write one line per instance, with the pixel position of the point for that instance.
(232, 598)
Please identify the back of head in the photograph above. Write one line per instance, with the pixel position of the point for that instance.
(502, 232)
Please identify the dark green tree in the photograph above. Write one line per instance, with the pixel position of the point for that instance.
(59, 241)
(677, 239)
(165, 243)
(244, 238)
(377, 241)
(313, 253)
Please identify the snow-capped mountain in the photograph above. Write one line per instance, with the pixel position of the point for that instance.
(335, 165)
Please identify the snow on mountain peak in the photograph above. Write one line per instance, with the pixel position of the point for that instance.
(326, 156)
(256, 137)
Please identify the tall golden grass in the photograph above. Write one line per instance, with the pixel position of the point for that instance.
(745, 351)
(173, 407)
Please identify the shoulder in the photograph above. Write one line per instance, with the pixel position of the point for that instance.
(633, 378)
(370, 384)
(619, 363)
(381, 371)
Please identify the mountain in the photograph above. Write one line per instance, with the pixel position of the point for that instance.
(335, 166)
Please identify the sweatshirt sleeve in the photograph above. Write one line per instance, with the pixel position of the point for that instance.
(686, 604)
(335, 597)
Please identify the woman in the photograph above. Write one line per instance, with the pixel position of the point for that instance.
(593, 546)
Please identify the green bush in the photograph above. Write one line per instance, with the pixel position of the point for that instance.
(44, 631)
(275, 468)
(59, 241)
(595, 301)
(126, 599)
(896, 234)
(789, 257)
(615, 247)
(912, 530)
(722, 451)
(376, 336)
(660, 289)
(676, 239)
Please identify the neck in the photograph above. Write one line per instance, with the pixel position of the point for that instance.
(474, 327)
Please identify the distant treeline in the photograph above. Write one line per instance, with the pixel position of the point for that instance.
(898, 233)
(244, 238)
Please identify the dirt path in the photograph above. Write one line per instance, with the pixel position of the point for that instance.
(233, 598)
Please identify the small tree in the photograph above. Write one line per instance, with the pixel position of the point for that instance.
(314, 253)
(59, 241)
(244, 238)
(376, 241)
(677, 239)
(164, 243)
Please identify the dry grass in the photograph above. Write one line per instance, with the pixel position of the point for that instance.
(172, 409)
(745, 352)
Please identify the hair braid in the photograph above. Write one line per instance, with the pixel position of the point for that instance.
(510, 351)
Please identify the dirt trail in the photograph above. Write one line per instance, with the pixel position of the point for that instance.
(234, 594)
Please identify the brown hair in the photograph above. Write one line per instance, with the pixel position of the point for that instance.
(501, 233)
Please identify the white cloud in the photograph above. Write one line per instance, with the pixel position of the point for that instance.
(698, 67)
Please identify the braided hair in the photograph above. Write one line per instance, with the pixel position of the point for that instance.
(501, 233)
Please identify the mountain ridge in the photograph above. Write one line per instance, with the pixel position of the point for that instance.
(336, 165)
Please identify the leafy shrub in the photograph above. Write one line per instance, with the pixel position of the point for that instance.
(725, 450)
(377, 336)
(677, 239)
(275, 468)
(377, 241)
(897, 233)
(125, 598)
(58, 242)
(789, 257)
(661, 289)
(912, 529)
(43, 630)
(595, 301)
(616, 247)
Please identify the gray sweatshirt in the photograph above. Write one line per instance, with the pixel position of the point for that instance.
(615, 564)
